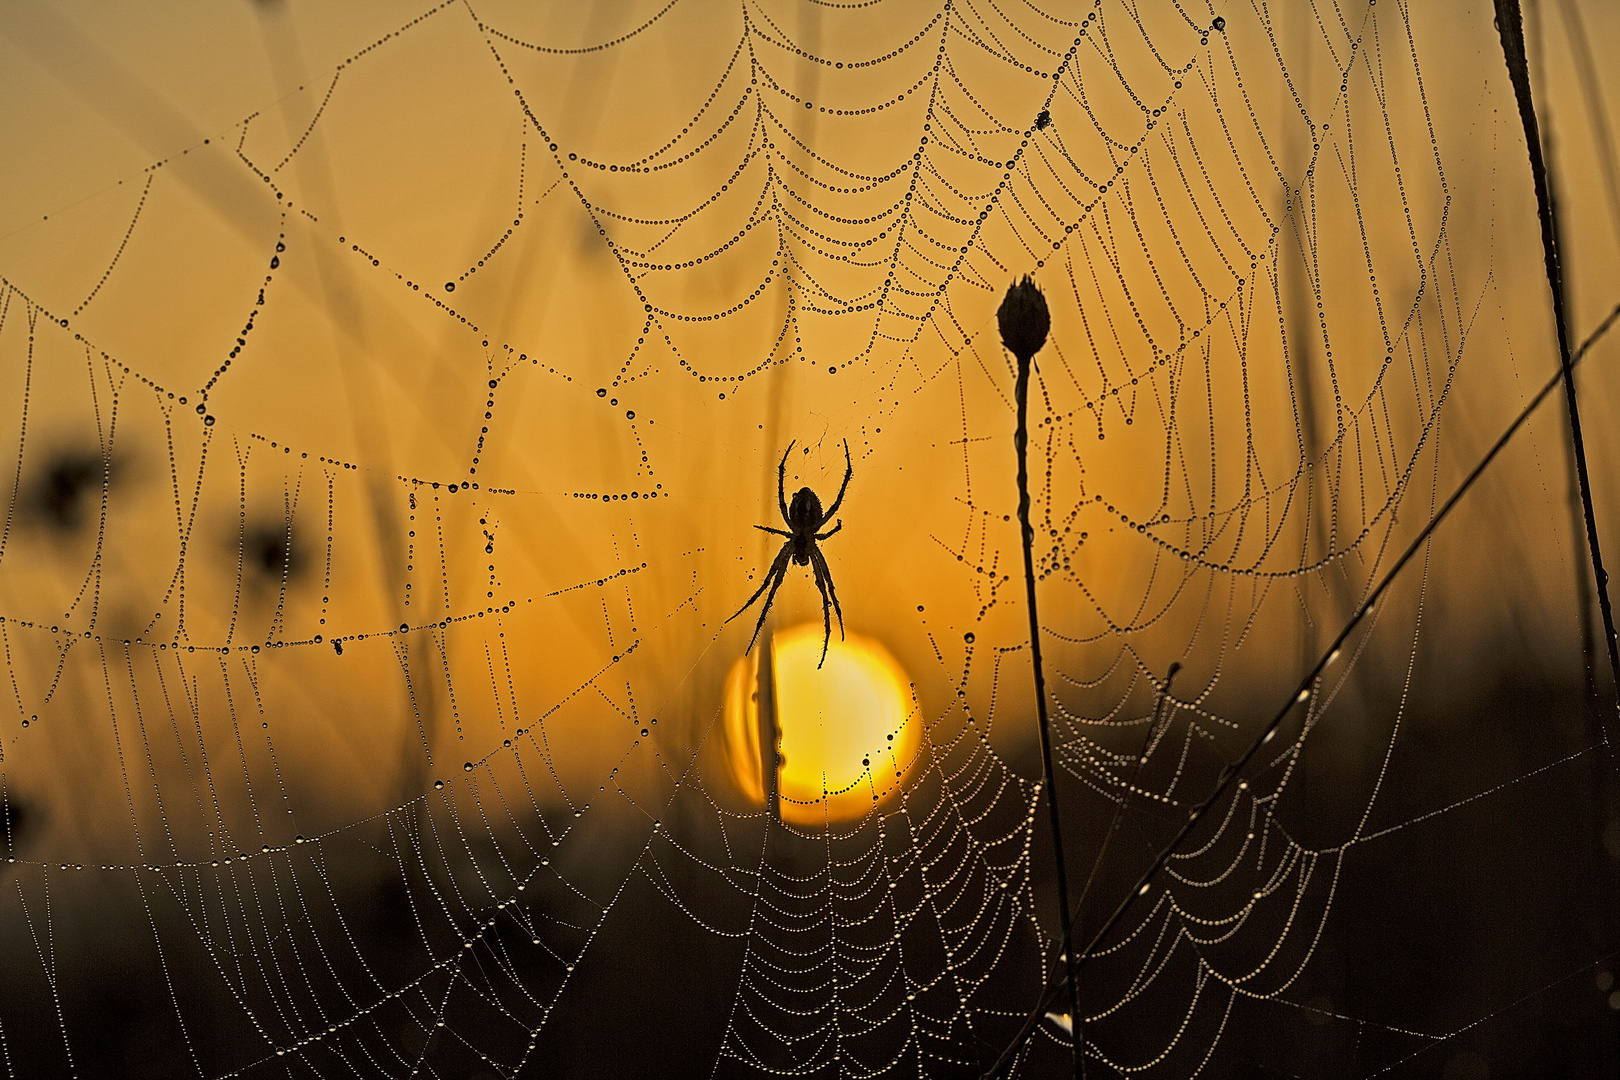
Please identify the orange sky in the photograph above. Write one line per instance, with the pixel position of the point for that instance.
(353, 163)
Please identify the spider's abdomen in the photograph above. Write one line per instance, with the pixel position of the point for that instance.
(803, 519)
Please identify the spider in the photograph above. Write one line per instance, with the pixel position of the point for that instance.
(1042, 119)
(803, 520)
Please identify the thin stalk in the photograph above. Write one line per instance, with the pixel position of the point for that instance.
(1021, 442)
(1510, 27)
(770, 734)
(1581, 51)
(1583, 584)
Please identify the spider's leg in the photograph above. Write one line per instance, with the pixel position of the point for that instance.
(778, 532)
(773, 578)
(778, 573)
(829, 532)
(826, 572)
(781, 481)
(780, 565)
(820, 570)
(849, 471)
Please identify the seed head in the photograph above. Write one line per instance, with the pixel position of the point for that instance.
(1024, 320)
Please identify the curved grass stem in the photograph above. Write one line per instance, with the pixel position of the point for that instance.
(1510, 27)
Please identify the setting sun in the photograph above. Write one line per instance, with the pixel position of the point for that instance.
(847, 735)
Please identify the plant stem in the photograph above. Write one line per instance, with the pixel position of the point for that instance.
(1021, 442)
(1510, 27)
(770, 734)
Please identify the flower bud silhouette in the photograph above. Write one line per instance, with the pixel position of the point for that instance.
(1024, 320)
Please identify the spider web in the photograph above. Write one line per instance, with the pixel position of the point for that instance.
(394, 395)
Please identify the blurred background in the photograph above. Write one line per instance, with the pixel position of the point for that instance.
(388, 396)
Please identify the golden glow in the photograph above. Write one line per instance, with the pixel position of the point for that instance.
(848, 734)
